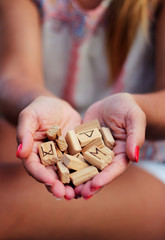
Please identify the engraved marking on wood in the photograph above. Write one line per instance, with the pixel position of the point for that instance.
(79, 156)
(107, 154)
(101, 154)
(96, 157)
(108, 151)
(88, 136)
(48, 153)
(88, 133)
(96, 142)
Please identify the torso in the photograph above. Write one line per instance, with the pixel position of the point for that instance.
(75, 64)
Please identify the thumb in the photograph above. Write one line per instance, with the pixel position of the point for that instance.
(135, 127)
(93, 112)
(27, 126)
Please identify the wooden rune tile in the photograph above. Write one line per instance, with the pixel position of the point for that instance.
(73, 162)
(88, 126)
(73, 143)
(59, 153)
(96, 142)
(62, 144)
(48, 154)
(108, 151)
(88, 136)
(63, 172)
(97, 157)
(83, 175)
(53, 132)
(79, 156)
(107, 137)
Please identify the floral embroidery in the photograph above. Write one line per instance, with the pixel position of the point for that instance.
(64, 14)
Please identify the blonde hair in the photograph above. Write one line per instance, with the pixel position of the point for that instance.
(124, 18)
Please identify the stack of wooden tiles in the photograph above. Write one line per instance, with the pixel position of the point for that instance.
(81, 154)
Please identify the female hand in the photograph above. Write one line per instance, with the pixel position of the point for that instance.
(127, 122)
(33, 123)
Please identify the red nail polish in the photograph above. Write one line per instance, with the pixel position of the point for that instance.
(137, 154)
(68, 199)
(86, 198)
(95, 188)
(19, 149)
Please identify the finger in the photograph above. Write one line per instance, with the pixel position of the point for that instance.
(38, 171)
(71, 124)
(136, 125)
(58, 189)
(119, 147)
(93, 112)
(78, 190)
(69, 193)
(27, 126)
(73, 120)
(116, 168)
(88, 191)
(48, 187)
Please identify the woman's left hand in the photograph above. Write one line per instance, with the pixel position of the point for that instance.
(127, 122)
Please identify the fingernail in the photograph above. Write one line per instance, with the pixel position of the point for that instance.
(86, 198)
(68, 199)
(57, 198)
(136, 154)
(95, 188)
(19, 149)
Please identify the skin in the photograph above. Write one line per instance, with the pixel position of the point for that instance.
(127, 130)
(148, 120)
(131, 206)
(22, 93)
(128, 208)
(89, 5)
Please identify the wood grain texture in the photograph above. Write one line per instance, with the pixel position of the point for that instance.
(53, 132)
(83, 175)
(88, 126)
(48, 154)
(73, 143)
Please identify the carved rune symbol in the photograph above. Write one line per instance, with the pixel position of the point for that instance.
(97, 151)
(88, 133)
(50, 152)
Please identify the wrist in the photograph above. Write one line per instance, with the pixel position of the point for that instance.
(17, 93)
(154, 109)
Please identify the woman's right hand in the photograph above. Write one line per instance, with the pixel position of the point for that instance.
(33, 123)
